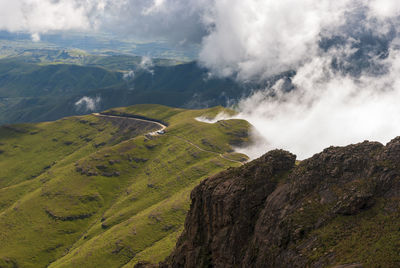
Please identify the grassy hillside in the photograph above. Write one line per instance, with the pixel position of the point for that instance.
(20, 79)
(93, 191)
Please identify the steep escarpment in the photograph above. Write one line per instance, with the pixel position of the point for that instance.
(340, 207)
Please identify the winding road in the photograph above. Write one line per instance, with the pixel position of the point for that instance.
(163, 127)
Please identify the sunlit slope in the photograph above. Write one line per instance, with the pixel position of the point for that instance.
(95, 192)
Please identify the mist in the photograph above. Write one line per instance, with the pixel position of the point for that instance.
(344, 92)
(88, 104)
(325, 109)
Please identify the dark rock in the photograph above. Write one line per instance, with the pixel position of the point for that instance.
(101, 144)
(354, 265)
(101, 167)
(111, 174)
(91, 173)
(151, 146)
(86, 171)
(112, 162)
(68, 217)
(263, 214)
(145, 264)
(168, 227)
(140, 160)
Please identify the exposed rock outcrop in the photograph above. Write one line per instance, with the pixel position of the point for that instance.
(339, 207)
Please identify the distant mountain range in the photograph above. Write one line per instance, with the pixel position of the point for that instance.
(41, 85)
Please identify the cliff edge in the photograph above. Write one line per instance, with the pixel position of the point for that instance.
(339, 208)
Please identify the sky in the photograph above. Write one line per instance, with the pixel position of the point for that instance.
(345, 54)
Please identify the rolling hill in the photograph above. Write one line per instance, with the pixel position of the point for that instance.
(99, 191)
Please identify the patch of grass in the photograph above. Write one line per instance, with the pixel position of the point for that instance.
(158, 251)
(371, 237)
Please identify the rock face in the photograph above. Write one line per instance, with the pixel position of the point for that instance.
(339, 207)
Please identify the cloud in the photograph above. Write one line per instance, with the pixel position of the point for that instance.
(220, 116)
(35, 37)
(177, 21)
(128, 75)
(146, 64)
(88, 104)
(263, 38)
(384, 9)
(41, 16)
(236, 36)
(326, 108)
(256, 39)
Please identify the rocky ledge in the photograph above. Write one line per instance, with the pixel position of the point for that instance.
(339, 208)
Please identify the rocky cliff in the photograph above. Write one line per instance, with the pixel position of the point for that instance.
(338, 208)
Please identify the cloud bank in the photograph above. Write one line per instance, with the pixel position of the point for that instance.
(346, 86)
(41, 16)
(174, 20)
(326, 109)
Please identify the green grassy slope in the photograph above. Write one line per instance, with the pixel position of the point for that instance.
(95, 192)
(21, 79)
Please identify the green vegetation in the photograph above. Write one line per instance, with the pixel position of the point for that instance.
(94, 191)
(371, 237)
(20, 79)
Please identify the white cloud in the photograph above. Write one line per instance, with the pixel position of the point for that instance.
(331, 105)
(178, 21)
(327, 109)
(88, 104)
(384, 9)
(128, 75)
(35, 37)
(220, 116)
(175, 20)
(262, 38)
(146, 64)
(239, 36)
(40, 16)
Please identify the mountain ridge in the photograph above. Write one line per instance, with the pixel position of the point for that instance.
(339, 208)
